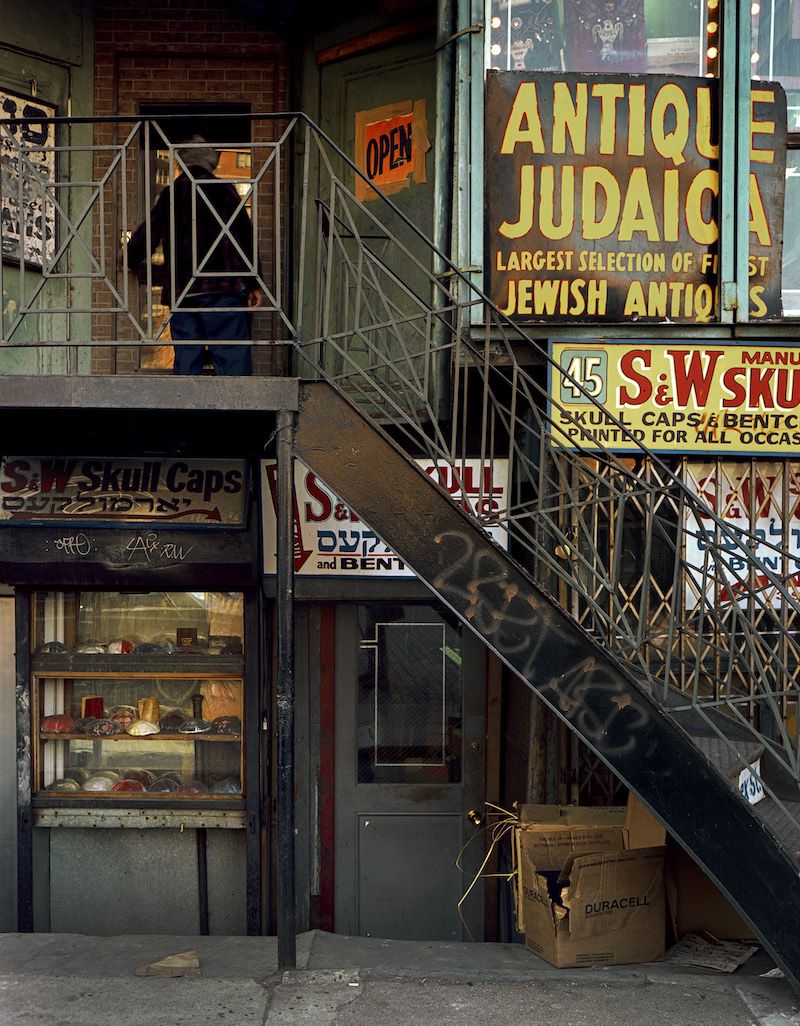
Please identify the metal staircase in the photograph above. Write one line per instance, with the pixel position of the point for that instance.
(677, 670)
(667, 640)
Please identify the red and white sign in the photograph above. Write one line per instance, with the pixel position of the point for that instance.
(159, 489)
(331, 540)
(761, 508)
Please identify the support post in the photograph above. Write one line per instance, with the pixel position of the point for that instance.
(287, 912)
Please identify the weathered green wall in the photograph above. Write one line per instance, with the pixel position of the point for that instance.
(47, 51)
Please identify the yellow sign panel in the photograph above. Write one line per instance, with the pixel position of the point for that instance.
(676, 396)
(602, 197)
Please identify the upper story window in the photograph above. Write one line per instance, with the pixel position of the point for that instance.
(635, 36)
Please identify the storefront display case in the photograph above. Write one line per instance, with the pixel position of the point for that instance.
(137, 698)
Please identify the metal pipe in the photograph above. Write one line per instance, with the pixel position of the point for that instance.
(742, 128)
(442, 196)
(24, 765)
(287, 910)
(728, 94)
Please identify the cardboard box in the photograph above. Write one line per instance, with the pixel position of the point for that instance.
(610, 911)
(589, 892)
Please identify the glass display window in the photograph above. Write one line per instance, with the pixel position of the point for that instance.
(138, 694)
(410, 697)
(630, 36)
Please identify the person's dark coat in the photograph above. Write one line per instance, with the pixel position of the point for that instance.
(198, 234)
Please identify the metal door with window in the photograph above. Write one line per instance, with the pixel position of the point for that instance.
(410, 741)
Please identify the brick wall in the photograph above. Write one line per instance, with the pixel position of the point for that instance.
(181, 51)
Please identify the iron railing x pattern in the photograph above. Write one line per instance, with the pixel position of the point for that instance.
(705, 614)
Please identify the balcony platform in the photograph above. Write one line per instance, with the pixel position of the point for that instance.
(119, 415)
(139, 392)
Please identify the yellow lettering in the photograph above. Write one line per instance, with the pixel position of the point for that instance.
(569, 116)
(524, 224)
(703, 142)
(547, 225)
(657, 299)
(702, 231)
(594, 178)
(511, 299)
(636, 118)
(670, 144)
(761, 127)
(635, 301)
(546, 296)
(597, 299)
(637, 213)
(703, 303)
(758, 308)
(758, 216)
(524, 109)
(672, 205)
(576, 291)
(609, 93)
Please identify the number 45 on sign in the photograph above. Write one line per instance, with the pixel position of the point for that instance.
(587, 368)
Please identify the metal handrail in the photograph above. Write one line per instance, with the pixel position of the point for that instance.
(707, 616)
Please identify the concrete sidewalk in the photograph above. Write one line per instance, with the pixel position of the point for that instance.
(71, 980)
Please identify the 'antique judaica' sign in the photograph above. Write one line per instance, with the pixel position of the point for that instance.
(676, 396)
(602, 197)
(163, 490)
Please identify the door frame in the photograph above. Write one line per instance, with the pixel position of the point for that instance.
(343, 875)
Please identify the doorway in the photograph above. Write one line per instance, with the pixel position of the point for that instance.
(410, 764)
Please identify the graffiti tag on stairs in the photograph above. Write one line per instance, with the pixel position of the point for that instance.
(537, 641)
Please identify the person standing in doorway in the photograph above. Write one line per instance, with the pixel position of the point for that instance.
(215, 289)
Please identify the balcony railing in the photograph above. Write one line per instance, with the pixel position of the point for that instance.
(707, 615)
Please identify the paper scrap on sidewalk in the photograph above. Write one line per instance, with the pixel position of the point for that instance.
(185, 963)
(707, 952)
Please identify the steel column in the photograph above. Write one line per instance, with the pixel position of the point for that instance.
(287, 911)
(24, 766)
(442, 198)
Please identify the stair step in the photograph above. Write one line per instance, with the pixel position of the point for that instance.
(785, 831)
(727, 761)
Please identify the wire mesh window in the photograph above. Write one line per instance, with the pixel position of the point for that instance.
(409, 697)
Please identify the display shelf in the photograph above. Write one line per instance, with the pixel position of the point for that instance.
(60, 799)
(82, 685)
(58, 735)
(85, 665)
(227, 814)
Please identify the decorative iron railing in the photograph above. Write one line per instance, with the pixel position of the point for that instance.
(705, 614)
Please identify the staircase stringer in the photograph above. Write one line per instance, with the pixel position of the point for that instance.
(593, 693)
